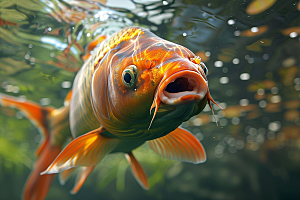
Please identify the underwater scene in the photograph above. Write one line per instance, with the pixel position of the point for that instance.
(248, 51)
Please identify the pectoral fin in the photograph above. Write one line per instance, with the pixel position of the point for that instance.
(86, 150)
(179, 145)
(137, 171)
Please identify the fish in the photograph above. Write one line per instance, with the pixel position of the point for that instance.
(136, 88)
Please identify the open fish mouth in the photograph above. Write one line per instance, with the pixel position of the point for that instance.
(181, 87)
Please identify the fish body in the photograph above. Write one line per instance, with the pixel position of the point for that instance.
(135, 88)
(154, 59)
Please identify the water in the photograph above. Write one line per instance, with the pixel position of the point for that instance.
(253, 60)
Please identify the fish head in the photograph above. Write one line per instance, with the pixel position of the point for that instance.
(146, 73)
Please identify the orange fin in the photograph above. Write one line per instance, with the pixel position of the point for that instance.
(33, 111)
(86, 150)
(137, 171)
(65, 175)
(68, 98)
(81, 177)
(37, 186)
(179, 145)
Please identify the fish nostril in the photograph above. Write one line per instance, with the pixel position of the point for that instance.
(181, 84)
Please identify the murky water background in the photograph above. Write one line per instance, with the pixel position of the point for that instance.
(251, 49)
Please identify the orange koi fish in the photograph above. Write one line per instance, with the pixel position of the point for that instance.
(135, 88)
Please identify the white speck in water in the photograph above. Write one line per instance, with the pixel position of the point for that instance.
(88, 34)
(49, 29)
(274, 126)
(297, 80)
(274, 90)
(239, 144)
(30, 46)
(247, 57)
(52, 54)
(32, 61)
(252, 131)
(231, 22)
(289, 62)
(265, 56)
(200, 136)
(231, 142)
(262, 104)
(293, 34)
(245, 76)
(27, 56)
(260, 91)
(15, 89)
(184, 34)
(207, 54)
(19, 115)
(45, 101)
(8, 88)
(251, 60)
(197, 122)
(260, 139)
(165, 3)
(223, 122)
(254, 29)
(235, 121)
(237, 33)
(244, 102)
(235, 61)
(224, 80)
(66, 84)
(218, 63)
(275, 99)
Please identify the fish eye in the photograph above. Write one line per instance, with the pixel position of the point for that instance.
(204, 68)
(129, 75)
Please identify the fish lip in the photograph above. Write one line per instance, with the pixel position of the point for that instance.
(196, 83)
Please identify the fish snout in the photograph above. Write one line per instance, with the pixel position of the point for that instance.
(183, 86)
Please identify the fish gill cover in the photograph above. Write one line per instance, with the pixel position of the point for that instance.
(251, 49)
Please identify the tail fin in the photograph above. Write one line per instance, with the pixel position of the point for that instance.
(37, 186)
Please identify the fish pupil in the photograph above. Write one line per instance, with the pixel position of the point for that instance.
(205, 70)
(179, 85)
(127, 77)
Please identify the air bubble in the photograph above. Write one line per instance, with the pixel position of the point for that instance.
(254, 29)
(235, 61)
(218, 63)
(245, 76)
